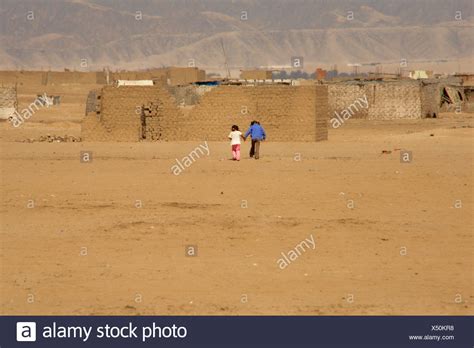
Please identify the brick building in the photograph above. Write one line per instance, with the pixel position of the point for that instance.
(402, 99)
(122, 114)
(256, 74)
(174, 76)
(288, 113)
(320, 74)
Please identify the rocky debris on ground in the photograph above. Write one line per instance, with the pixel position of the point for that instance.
(54, 139)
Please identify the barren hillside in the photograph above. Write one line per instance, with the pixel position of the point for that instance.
(143, 33)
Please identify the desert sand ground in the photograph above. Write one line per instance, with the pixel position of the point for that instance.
(391, 238)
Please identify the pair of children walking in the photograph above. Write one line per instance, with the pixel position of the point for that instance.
(256, 132)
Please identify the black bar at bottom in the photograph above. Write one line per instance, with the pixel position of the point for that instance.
(236, 331)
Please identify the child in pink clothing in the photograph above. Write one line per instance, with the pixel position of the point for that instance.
(234, 137)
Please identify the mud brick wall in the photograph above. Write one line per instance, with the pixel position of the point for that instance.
(8, 77)
(430, 99)
(8, 101)
(69, 77)
(174, 75)
(188, 95)
(93, 102)
(391, 101)
(288, 113)
(101, 78)
(119, 118)
(387, 100)
(8, 97)
(343, 95)
(37, 78)
(139, 75)
(93, 130)
(153, 120)
(256, 75)
(321, 113)
(184, 76)
(21, 77)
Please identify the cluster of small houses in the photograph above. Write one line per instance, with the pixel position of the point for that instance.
(385, 97)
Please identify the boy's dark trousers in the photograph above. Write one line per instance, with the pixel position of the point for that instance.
(255, 149)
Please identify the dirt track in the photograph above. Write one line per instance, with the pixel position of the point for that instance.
(136, 263)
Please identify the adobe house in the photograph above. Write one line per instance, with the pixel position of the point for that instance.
(391, 100)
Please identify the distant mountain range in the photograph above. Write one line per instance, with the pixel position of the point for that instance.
(137, 34)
